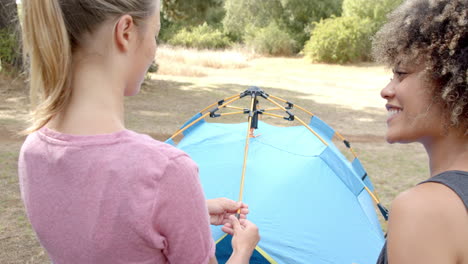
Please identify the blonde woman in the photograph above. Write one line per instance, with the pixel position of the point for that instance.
(426, 44)
(94, 191)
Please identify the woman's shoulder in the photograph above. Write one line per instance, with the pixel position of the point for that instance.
(151, 154)
(426, 199)
(429, 207)
(431, 216)
(147, 146)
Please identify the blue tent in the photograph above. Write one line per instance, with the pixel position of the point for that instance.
(311, 204)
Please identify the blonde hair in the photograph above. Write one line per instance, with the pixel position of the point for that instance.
(51, 32)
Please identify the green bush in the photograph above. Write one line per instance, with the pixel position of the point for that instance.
(375, 10)
(201, 37)
(7, 48)
(298, 15)
(168, 29)
(271, 40)
(193, 12)
(215, 16)
(341, 40)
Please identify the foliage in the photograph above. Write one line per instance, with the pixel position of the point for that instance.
(252, 13)
(271, 40)
(10, 47)
(201, 37)
(8, 43)
(375, 10)
(298, 15)
(214, 16)
(189, 12)
(348, 38)
(293, 16)
(341, 40)
(256, 22)
(168, 29)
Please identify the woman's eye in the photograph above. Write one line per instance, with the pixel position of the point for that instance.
(399, 74)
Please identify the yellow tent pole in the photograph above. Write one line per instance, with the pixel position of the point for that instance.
(373, 196)
(232, 113)
(237, 97)
(311, 130)
(272, 109)
(275, 115)
(246, 153)
(213, 105)
(234, 107)
(311, 114)
(300, 121)
(190, 125)
(296, 106)
(343, 139)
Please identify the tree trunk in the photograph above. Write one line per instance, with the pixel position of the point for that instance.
(10, 34)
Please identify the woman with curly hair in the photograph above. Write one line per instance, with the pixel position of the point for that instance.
(426, 43)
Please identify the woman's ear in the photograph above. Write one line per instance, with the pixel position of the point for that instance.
(124, 32)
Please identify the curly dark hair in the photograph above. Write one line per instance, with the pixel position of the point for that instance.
(433, 32)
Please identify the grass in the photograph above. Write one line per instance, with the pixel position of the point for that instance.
(178, 61)
(346, 97)
(18, 243)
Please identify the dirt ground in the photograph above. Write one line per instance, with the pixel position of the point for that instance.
(346, 97)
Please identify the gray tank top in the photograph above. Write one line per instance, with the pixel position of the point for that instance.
(455, 180)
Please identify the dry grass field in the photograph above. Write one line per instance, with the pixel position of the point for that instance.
(346, 97)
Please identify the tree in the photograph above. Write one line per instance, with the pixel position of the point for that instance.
(10, 51)
(241, 14)
(375, 10)
(190, 12)
(293, 16)
(299, 14)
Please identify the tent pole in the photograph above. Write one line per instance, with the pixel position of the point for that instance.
(300, 121)
(234, 107)
(298, 107)
(218, 103)
(343, 139)
(274, 115)
(231, 113)
(383, 210)
(311, 114)
(246, 150)
(237, 97)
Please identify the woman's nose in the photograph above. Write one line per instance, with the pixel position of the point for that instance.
(388, 91)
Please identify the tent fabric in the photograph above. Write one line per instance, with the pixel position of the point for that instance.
(224, 251)
(307, 199)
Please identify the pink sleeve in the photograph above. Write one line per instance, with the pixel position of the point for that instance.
(181, 215)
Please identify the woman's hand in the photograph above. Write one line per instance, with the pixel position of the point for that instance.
(220, 209)
(245, 239)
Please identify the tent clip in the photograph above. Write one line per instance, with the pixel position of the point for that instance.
(291, 116)
(289, 106)
(213, 113)
(254, 92)
(364, 176)
(347, 143)
(383, 211)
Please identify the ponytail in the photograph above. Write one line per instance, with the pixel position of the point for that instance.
(47, 47)
(51, 31)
